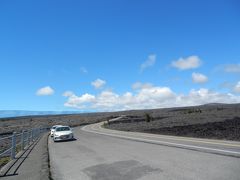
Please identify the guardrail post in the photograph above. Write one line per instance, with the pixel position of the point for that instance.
(13, 145)
(37, 132)
(29, 137)
(22, 140)
(33, 133)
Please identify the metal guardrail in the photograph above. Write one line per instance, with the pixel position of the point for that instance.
(19, 141)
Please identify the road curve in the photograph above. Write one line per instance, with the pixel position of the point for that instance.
(103, 154)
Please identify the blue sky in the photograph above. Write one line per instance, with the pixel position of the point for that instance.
(115, 55)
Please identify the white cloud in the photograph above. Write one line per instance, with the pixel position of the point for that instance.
(204, 96)
(108, 100)
(190, 62)
(237, 87)
(149, 62)
(199, 78)
(147, 98)
(45, 91)
(232, 68)
(83, 70)
(68, 93)
(79, 102)
(139, 85)
(98, 83)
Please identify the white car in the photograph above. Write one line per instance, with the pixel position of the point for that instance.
(53, 130)
(62, 133)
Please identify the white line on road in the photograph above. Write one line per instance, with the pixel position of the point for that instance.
(96, 131)
(195, 140)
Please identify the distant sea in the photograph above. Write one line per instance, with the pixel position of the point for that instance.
(17, 113)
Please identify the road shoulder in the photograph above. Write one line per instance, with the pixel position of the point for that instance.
(32, 164)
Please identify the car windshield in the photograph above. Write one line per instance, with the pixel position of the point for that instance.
(63, 129)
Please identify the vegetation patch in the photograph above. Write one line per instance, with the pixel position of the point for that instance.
(4, 161)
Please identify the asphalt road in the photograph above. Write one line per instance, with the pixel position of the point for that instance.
(102, 154)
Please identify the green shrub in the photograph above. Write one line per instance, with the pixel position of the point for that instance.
(4, 161)
(190, 111)
(105, 124)
(148, 117)
(18, 148)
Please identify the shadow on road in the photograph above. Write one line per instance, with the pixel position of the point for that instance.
(17, 162)
(69, 140)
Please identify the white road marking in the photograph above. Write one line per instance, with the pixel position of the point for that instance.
(195, 140)
(96, 131)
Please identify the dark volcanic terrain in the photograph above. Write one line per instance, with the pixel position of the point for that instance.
(218, 121)
(213, 121)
